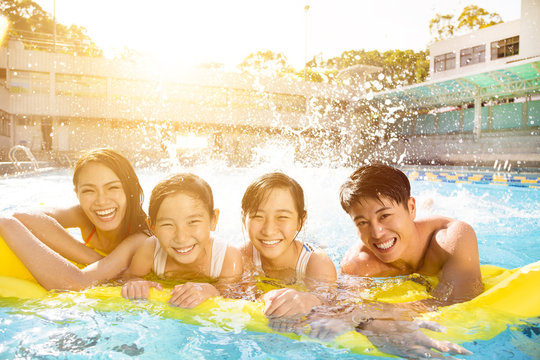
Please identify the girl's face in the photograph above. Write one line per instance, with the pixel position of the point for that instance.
(101, 196)
(183, 227)
(273, 227)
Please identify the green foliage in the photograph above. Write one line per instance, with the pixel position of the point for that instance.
(267, 63)
(398, 67)
(35, 28)
(471, 18)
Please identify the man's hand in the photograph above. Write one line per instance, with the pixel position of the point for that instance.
(404, 338)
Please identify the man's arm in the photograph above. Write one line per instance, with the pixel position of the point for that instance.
(459, 278)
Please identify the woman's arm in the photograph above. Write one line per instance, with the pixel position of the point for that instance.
(49, 228)
(53, 271)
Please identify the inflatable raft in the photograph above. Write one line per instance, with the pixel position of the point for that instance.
(509, 297)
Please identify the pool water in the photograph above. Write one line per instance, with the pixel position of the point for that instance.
(506, 220)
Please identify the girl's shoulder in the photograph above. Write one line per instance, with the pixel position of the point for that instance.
(143, 259)
(246, 250)
(321, 266)
(233, 259)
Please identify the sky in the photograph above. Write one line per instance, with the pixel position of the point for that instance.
(226, 31)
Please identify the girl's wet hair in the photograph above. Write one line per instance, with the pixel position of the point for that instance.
(186, 183)
(259, 189)
(375, 181)
(135, 218)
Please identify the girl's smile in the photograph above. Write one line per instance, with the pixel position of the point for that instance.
(183, 227)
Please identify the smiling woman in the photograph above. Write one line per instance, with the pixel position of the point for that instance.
(109, 209)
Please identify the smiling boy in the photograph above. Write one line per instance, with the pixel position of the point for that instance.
(393, 242)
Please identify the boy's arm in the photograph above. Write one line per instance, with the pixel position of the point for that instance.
(459, 278)
(50, 228)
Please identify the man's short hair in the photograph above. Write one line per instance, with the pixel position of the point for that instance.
(375, 181)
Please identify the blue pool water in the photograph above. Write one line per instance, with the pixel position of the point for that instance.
(506, 220)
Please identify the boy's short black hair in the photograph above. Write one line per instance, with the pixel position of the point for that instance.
(375, 181)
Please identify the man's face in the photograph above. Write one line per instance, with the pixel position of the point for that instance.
(384, 226)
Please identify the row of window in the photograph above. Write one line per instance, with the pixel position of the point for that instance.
(493, 118)
(31, 82)
(477, 54)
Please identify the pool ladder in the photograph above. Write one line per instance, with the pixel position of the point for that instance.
(27, 152)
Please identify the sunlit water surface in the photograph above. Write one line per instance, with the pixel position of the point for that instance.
(506, 220)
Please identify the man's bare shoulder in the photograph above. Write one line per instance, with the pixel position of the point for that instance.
(446, 233)
(359, 261)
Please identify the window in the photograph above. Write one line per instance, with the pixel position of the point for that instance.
(445, 62)
(474, 55)
(505, 47)
(4, 124)
(29, 82)
(80, 85)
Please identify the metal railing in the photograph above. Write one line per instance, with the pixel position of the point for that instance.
(17, 163)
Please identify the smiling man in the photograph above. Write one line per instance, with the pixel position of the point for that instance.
(393, 242)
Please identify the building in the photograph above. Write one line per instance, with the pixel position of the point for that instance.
(59, 104)
(481, 105)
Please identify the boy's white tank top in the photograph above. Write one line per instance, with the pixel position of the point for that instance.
(301, 265)
(219, 249)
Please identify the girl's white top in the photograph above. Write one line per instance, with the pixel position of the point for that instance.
(219, 249)
(301, 265)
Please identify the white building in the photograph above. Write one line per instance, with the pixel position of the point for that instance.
(482, 102)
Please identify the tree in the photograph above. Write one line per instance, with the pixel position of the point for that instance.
(471, 18)
(398, 67)
(35, 28)
(266, 63)
(442, 27)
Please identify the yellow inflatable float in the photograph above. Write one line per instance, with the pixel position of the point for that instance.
(509, 297)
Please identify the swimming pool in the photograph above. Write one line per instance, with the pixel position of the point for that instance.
(506, 220)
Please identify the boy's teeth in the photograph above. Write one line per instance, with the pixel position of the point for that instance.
(385, 245)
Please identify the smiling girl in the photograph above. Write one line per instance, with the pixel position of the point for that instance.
(182, 217)
(273, 214)
(109, 210)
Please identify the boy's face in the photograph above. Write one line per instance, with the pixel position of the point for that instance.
(385, 227)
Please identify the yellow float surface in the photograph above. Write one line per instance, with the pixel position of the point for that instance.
(509, 297)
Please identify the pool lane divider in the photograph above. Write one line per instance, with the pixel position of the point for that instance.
(516, 180)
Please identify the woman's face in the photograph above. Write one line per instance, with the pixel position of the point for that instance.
(101, 196)
(183, 226)
(274, 225)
